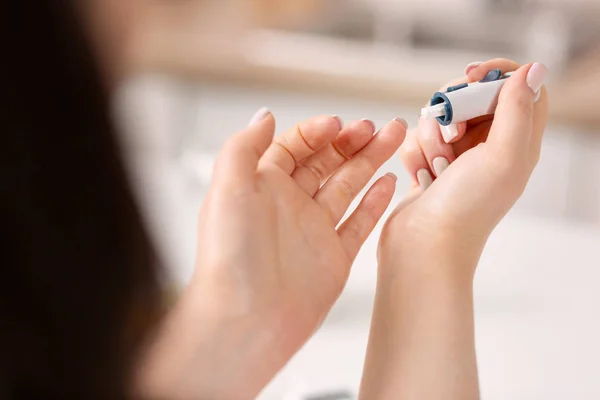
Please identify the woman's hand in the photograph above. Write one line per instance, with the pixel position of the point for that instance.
(272, 257)
(421, 344)
(462, 189)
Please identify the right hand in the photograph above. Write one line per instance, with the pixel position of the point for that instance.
(464, 188)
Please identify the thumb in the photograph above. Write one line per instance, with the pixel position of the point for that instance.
(513, 124)
(238, 160)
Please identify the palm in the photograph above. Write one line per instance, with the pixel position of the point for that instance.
(313, 262)
(286, 258)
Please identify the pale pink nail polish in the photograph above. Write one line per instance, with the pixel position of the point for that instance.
(402, 121)
(370, 123)
(472, 66)
(536, 76)
(339, 121)
(259, 116)
(424, 178)
(449, 132)
(392, 175)
(440, 164)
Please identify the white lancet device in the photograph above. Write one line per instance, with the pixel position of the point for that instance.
(466, 101)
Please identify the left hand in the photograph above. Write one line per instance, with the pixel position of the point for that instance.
(272, 259)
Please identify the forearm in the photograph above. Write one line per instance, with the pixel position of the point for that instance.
(202, 352)
(421, 344)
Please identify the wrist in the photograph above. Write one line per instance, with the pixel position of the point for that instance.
(434, 253)
(422, 327)
(204, 350)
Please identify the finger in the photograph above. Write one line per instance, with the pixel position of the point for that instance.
(454, 132)
(356, 229)
(477, 73)
(339, 191)
(302, 141)
(540, 118)
(437, 152)
(513, 123)
(313, 172)
(414, 161)
(238, 160)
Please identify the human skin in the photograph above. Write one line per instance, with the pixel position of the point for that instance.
(421, 344)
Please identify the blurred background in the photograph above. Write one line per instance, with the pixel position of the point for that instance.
(201, 68)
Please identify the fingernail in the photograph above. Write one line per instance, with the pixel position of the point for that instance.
(440, 164)
(259, 116)
(536, 76)
(402, 121)
(472, 66)
(424, 178)
(339, 121)
(371, 123)
(391, 175)
(449, 132)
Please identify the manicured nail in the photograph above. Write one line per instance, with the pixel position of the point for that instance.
(472, 66)
(339, 121)
(259, 116)
(391, 175)
(440, 164)
(424, 178)
(449, 132)
(536, 76)
(370, 123)
(402, 121)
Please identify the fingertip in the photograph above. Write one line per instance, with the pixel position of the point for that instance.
(259, 116)
(543, 100)
(318, 131)
(393, 134)
(263, 119)
(536, 77)
(340, 122)
(458, 133)
(383, 189)
(402, 121)
(354, 137)
(472, 66)
(370, 123)
(514, 118)
(520, 87)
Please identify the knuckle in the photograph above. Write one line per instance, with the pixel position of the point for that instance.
(345, 187)
(318, 170)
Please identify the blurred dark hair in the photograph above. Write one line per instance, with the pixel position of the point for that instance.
(78, 287)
